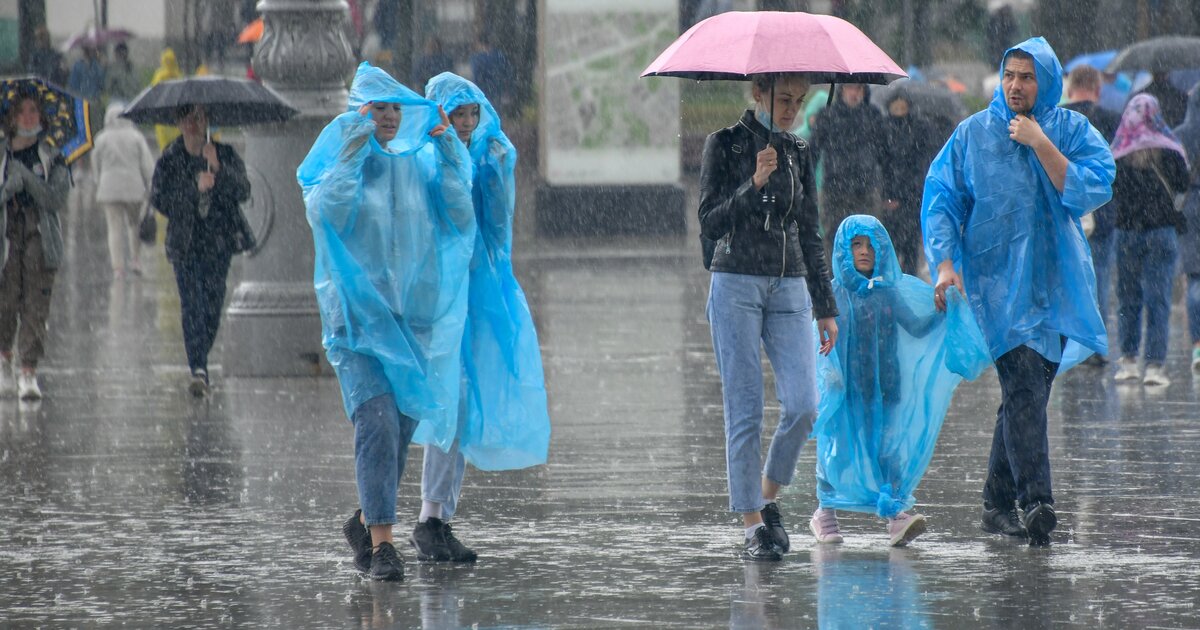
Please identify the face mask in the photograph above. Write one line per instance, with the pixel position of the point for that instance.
(29, 133)
(764, 119)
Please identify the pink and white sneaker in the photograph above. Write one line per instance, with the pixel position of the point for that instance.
(904, 528)
(824, 526)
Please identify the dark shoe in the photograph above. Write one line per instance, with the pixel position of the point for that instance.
(774, 522)
(762, 547)
(359, 538)
(1039, 520)
(429, 541)
(458, 551)
(386, 564)
(1001, 521)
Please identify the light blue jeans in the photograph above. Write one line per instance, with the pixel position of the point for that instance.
(748, 314)
(442, 477)
(381, 438)
(1145, 273)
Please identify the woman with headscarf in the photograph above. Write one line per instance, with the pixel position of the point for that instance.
(1189, 241)
(168, 69)
(388, 198)
(34, 182)
(1151, 169)
(504, 423)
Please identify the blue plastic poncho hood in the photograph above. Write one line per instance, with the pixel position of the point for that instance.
(990, 207)
(393, 232)
(505, 422)
(885, 388)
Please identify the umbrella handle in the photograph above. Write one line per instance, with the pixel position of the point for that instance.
(832, 89)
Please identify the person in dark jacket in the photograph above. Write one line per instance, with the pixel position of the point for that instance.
(1083, 96)
(910, 142)
(770, 278)
(198, 185)
(1172, 101)
(1151, 169)
(33, 192)
(1189, 241)
(846, 140)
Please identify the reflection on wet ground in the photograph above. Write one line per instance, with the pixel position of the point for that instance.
(122, 501)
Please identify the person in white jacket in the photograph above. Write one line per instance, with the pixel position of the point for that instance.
(123, 167)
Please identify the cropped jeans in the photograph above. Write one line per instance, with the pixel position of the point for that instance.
(748, 314)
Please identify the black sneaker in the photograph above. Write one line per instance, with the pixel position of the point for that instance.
(774, 523)
(995, 520)
(359, 538)
(458, 551)
(429, 541)
(761, 547)
(1039, 520)
(386, 564)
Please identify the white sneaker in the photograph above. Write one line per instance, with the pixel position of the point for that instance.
(824, 526)
(8, 379)
(27, 385)
(1156, 376)
(1127, 370)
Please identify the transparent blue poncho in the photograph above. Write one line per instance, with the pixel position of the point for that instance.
(990, 207)
(505, 422)
(394, 230)
(885, 388)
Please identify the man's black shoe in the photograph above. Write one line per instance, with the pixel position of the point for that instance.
(386, 564)
(761, 547)
(1039, 520)
(429, 541)
(458, 551)
(360, 541)
(997, 520)
(774, 522)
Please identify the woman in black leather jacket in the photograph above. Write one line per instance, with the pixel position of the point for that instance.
(758, 220)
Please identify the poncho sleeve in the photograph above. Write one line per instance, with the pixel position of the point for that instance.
(946, 202)
(498, 192)
(1090, 169)
(332, 178)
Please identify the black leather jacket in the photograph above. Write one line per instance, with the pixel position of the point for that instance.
(747, 234)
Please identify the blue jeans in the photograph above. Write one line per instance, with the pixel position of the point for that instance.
(1102, 262)
(1019, 465)
(442, 477)
(1145, 271)
(381, 439)
(747, 314)
(1193, 306)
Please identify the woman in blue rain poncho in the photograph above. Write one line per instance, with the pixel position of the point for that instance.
(388, 196)
(886, 386)
(503, 420)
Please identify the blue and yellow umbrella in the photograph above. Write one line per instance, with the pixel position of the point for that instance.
(68, 128)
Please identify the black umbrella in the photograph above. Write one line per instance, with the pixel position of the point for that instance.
(1159, 54)
(227, 102)
(928, 100)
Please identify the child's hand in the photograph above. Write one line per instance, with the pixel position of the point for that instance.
(828, 330)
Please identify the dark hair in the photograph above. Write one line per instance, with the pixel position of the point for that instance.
(1019, 54)
(184, 111)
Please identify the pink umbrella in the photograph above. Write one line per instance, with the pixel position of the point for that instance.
(738, 44)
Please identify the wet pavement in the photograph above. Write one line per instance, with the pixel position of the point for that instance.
(123, 502)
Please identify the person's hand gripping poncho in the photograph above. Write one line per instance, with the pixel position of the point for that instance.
(887, 384)
(505, 423)
(990, 207)
(393, 229)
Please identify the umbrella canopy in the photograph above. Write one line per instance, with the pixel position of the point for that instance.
(1097, 60)
(69, 128)
(927, 99)
(1159, 54)
(739, 44)
(227, 102)
(96, 37)
(252, 33)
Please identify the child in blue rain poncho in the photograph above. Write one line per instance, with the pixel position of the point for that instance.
(503, 420)
(886, 386)
(388, 196)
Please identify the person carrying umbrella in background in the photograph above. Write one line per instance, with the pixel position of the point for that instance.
(198, 185)
(388, 197)
(1000, 216)
(1189, 241)
(34, 182)
(770, 279)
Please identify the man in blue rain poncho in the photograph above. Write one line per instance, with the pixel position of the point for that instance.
(388, 196)
(1000, 217)
(504, 423)
(887, 384)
